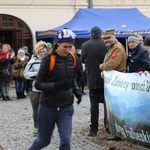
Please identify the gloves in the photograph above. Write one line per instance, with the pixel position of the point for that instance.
(62, 85)
(78, 95)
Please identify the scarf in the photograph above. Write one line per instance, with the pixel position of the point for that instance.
(4, 55)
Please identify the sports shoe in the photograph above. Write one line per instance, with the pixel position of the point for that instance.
(35, 131)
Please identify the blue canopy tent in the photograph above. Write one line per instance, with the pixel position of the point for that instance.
(126, 21)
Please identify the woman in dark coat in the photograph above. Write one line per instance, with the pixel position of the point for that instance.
(6, 58)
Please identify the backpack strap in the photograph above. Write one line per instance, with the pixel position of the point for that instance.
(74, 58)
(52, 62)
(53, 59)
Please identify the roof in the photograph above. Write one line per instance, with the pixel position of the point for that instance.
(125, 21)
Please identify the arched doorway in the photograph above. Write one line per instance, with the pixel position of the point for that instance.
(15, 32)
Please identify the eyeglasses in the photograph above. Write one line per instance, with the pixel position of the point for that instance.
(42, 52)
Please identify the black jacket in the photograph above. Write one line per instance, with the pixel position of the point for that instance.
(79, 74)
(92, 54)
(5, 64)
(63, 70)
(138, 59)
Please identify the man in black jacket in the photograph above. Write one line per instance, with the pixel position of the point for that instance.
(138, 58)
(93, 53)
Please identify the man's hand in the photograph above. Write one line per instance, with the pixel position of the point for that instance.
(102, 74)
(141, 72)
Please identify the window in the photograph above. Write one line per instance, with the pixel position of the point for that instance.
(7, 22)
(20, 25)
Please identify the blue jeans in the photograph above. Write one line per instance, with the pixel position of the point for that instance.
(47, 118)
(19, 85)
(5, 88)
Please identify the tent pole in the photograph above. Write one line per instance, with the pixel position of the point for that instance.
(90, 5)
(127, 53)
(127, 46)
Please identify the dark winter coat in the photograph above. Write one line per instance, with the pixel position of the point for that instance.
(79, 74)
(62, 71)
(92, 54)
(138, 59)
(5, 64)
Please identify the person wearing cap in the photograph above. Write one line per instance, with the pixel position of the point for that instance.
(115, 59)
(92, 54)
(25, 48)
(138, 57)
(30, 73)
(17, 73)
(49, 46)
(57, 94)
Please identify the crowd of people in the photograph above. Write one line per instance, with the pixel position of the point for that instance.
(56, 73)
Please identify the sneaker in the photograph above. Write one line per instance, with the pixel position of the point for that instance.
(35, 131)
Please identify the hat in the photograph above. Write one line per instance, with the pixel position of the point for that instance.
(25, 47)
(21, 50)
(40, 45)
(133, 38)
(66, 35)
(49, 44)
(108, 33)
(96, 31)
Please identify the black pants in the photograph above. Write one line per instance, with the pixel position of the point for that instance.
(96, 97)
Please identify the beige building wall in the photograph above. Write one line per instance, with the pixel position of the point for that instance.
(142, 5)
(41, 14)
(47, 14)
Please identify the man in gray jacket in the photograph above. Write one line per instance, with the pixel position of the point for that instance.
(93, 53)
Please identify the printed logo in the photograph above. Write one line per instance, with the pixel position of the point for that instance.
(66, 34)
(114, 55)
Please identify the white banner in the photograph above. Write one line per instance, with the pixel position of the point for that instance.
(127, 97)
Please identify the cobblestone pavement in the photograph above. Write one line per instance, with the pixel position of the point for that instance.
(16, 125)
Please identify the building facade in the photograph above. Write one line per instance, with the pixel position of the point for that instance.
(19, 19)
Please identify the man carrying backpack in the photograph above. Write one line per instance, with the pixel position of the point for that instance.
(58, 86)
